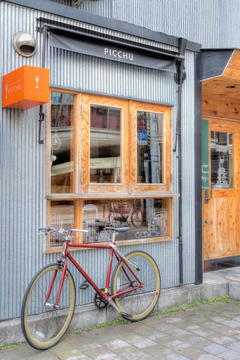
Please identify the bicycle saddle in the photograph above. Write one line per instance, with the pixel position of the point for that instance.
(119, 229)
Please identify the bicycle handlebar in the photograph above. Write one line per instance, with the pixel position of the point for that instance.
(61, 231)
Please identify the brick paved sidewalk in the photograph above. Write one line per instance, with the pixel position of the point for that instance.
(207, 332)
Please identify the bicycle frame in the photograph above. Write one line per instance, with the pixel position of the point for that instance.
(105, 296)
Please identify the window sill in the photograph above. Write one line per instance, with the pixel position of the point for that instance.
(142, 195)
(118, 243)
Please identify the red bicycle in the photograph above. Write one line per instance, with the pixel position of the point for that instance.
(49, 301)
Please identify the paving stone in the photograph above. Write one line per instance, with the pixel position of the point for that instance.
(11, 354)
(207, 357)
(190, 351)
(144, 343)
(197, 341)
(26, 350)
(232, 324)
(102, 354)
(115, 344)
(222, 340)
(235, 346)
(174, 320)
(61, 346)
(131, 353)
(158, 352)
(100, 335)
(43, 355)
(203, 332)
(177, 357)
(72, 354)
(178, 333)
(229, 355)
(215, 349)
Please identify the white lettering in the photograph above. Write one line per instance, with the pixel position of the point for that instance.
(118, 54)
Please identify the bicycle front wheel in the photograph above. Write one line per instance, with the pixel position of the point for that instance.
(139, 303)
(43, 325)
(115, 219)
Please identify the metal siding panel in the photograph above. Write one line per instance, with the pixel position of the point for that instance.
(22, 188)
(211, 23)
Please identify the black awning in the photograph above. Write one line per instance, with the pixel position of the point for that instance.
(111, 49)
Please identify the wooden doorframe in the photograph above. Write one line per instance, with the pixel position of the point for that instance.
(230, 198)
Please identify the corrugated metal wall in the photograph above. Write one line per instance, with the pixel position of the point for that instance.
(22, 159)
(212, 23)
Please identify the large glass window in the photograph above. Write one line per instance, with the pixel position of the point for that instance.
(110, 164)
(105, 145)
(149, 147)
(62, 150)
(221, 160)
(146, 218)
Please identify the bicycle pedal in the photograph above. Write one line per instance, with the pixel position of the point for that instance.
(84, 285)
(126, 314)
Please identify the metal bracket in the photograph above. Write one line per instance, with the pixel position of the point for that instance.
(41, 119)
(206, 196)
(39, 29)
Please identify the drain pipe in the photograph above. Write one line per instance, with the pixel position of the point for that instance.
(41, 113)
(179, 77)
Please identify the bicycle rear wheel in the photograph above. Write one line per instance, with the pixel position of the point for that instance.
(139, 303)
(43, 325)
(137, 218)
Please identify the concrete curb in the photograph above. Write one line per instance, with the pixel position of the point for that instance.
(88, 315)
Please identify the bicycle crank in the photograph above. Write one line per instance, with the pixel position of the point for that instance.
(99, 302)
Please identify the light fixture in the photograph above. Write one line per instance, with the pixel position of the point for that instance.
(24, 44)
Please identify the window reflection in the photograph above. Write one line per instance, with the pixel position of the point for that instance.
(146, 218)
(105, 149)
(61, 142)
(221, 160)
(61, 217)
(149, 148)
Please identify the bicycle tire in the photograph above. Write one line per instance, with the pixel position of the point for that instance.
(137, 305)
(137, 218)
(115, 219)
(43, 327)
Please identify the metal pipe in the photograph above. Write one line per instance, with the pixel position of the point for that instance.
(41, 114)
(179, 78)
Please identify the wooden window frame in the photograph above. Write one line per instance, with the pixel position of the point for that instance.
(129, 189)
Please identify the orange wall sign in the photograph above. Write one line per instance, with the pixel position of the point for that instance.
(26, 87)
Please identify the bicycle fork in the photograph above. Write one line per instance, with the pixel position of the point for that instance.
(56, 306)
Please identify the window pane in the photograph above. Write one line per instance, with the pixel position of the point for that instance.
(62, 163)
(149, 148)
(221, 160)
(61, 217)
(146, 218)
(105, 149)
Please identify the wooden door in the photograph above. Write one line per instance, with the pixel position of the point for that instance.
(221, 210)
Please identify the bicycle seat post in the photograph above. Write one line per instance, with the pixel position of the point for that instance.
(113, 236)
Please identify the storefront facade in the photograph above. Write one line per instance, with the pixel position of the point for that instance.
(107, 151)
